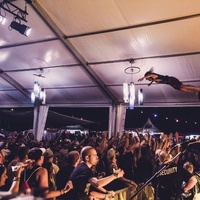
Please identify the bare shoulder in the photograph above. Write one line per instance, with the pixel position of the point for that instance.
(42, 171)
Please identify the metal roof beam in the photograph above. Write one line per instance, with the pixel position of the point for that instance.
(14, 83)
(76, 54)
(14, 10)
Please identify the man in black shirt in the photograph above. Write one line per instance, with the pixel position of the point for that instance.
(169, 181)
(62, 177)
(82, 175)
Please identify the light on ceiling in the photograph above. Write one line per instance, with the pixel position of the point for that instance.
(21, 28)
(140, 97)
(38, 95)
(2, 20)
(129, 94)
(126, 92)
(18, 14)
(129, 88)
(132, 95)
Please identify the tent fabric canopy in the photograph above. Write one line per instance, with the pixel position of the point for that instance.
(83, 48)
(150, 126)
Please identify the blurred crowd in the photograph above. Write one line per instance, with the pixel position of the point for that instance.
(94, 166)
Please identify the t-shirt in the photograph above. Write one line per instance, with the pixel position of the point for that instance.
(80, 178)
(170, 180)
(62, 178)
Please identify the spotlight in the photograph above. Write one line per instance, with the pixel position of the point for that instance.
(2, 20)
(21, 28)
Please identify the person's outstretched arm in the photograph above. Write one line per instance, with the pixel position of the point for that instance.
(190, 184)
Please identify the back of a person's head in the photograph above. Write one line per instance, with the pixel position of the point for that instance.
(48, 154)
(36, 153)
(188, 166)
(121, 150)
(85, 151)
(20, 137)
(22, 152)
(110, 155)
(73, 157)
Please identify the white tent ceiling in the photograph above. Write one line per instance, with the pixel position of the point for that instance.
(84, 46)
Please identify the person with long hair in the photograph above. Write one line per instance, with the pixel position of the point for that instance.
(14, 189)
(170, 80)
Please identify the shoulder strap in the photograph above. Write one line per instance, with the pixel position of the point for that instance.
(33, 173)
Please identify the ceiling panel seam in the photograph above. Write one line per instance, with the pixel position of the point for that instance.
(76, 54)
(134, 26)
(14, 83)
(28, 43)
(145, 57)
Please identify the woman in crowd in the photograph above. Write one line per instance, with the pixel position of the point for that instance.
(37, 177)
(170, 80)
(14, 189)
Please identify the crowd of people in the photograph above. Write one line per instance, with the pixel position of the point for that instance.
(94, 166)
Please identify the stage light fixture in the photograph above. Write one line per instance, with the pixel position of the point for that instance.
(2, 20)
(21, 28)
(38, 95)
(140, 97)
(129, 88)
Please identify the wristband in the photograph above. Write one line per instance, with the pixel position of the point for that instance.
(65, 191)
(115, 175)
(16, 179)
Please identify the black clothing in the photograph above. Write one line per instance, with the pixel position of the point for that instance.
(62, 178)
(170, 80)
(126, 162)
(33, 183)
(144, 169)
(29, 175)
(80, 177)
(116, 184)
(170, 181)
(145, 165)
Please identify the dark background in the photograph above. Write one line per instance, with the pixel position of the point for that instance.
(185, 120)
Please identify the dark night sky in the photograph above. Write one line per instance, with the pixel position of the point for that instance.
(184, 120)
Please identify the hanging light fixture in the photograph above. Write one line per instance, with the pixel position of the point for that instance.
(2, 20)
(21, 28)
(18, 14)
(38, 95)
(129, 88)
(140, 97)
(2, 16)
